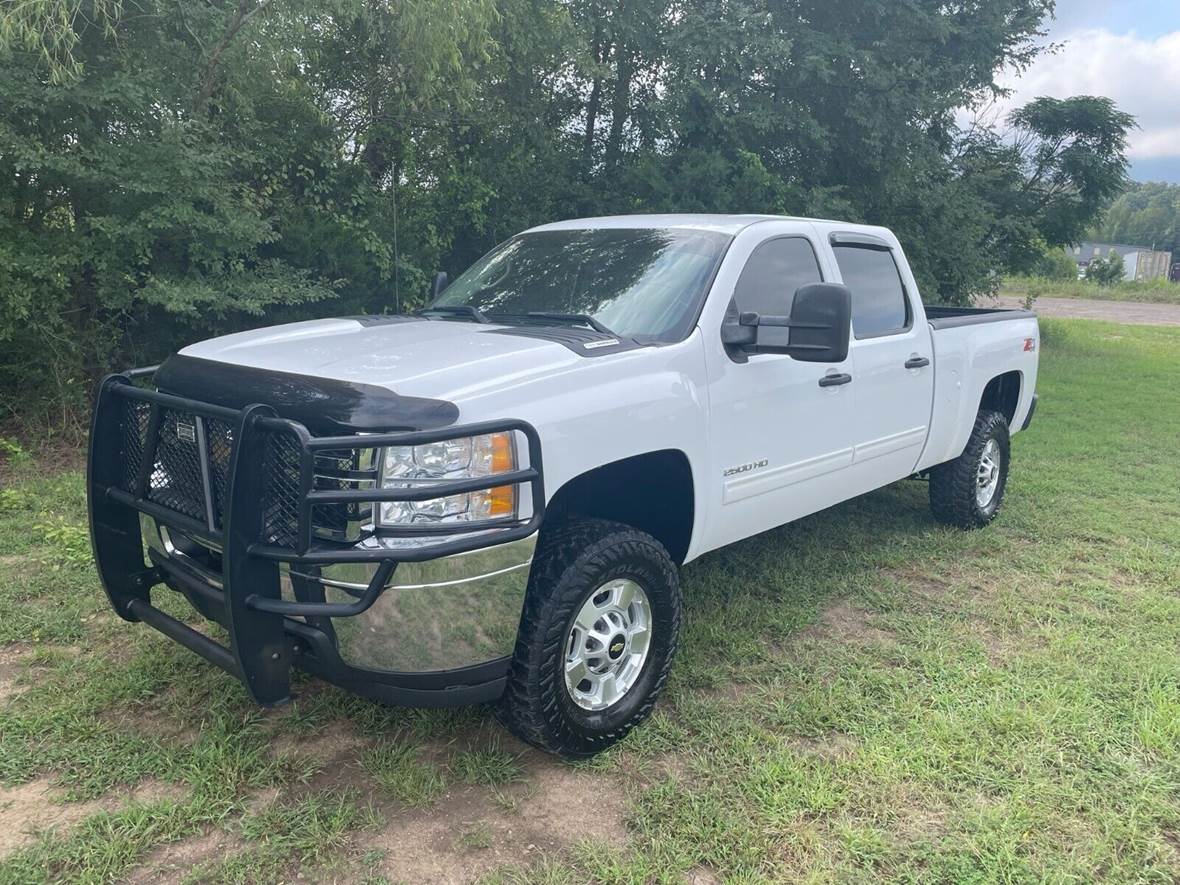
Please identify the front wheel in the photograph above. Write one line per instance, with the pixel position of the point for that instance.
(967, 492)
(600, 627)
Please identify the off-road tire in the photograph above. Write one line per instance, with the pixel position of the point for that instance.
(953, 484)
(573, 561)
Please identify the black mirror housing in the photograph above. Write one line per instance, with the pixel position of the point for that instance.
(821, 322)
(440, 282)
(817, 331)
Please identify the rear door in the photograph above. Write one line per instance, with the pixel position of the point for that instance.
(892, 361)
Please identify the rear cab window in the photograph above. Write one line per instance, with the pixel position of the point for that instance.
(879, 302)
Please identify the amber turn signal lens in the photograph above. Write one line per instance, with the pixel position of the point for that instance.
(503, 453)
(502, 499)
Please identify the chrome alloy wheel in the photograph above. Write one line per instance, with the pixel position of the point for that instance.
(987, 477)
(607, 644)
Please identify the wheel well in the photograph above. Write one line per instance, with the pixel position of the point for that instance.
(653, 492)
(1002, 394)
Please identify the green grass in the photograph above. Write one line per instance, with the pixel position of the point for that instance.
(314, 829)
(398, 770)
(489, 766)
(862, 695)
(1155, 291)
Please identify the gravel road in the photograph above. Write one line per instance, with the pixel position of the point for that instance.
(1131, 312)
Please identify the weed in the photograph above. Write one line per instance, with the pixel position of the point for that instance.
(67, 544)
(478, 837)
(397, 768)
(489, 766)
(13, 452)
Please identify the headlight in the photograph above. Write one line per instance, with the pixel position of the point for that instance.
(465, 458)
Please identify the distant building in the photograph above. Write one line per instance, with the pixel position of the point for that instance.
(1139, 262)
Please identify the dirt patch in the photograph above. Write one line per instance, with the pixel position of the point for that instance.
(172, 862)
(12, 665)
(35, 807)
(150, 722)
(668, 765)
(331, 742)
(332, 752)
(1172, 842)
(915, 815)
(149, 791)
(28, 809)
(702, 876)
(830, 746)
(847, 623)
(960, 585)
(999, 647)
(920, 584)
(260, 800)
(468, 833)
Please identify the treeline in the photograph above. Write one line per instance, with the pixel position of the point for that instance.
(1146, 214)
(173, 169)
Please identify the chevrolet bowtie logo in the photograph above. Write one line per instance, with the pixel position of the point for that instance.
(616, 648)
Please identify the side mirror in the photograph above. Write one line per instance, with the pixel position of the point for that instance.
(440, 282)
(816, 331)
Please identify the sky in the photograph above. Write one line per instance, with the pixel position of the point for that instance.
(1129, 51)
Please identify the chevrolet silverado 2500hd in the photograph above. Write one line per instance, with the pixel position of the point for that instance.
(488, 500)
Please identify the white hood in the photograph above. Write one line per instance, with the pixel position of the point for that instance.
(427, 358)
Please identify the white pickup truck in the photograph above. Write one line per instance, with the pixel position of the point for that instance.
(488, 500)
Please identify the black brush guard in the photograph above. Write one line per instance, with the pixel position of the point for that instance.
(265, 641)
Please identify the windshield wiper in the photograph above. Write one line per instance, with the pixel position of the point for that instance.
(583, 319)
(464, 310)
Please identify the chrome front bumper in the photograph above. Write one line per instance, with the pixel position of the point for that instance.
(437, 615)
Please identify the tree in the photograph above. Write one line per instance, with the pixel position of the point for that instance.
(1146, 214)
(1056, 264)
(171, 170)
(1072, 153)
(1106, 271)
(176, 172)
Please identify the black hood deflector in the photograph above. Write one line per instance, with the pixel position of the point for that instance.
(324, 405)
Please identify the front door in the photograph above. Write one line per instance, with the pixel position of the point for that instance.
(781, 442)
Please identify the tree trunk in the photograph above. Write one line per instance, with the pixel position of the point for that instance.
(621, 97)
(620, 106)
(592, 107)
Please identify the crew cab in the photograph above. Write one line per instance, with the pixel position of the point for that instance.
(488, 500)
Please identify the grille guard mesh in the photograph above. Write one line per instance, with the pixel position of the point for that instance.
(177, 459)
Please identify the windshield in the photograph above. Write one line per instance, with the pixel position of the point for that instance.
(644, 283)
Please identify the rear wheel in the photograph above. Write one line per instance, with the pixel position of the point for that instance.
(968, 491)
(600, 627)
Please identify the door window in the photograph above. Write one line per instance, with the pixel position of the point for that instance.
(879, 303)
(772, 274)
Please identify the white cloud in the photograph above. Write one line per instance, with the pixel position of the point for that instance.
(1141, 75)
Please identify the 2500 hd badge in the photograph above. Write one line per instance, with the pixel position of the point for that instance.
(745, 468)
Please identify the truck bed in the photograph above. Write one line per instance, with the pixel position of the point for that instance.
(973, 345)
(941, 317)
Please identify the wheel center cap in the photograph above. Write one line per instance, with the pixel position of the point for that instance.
(618, 645)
